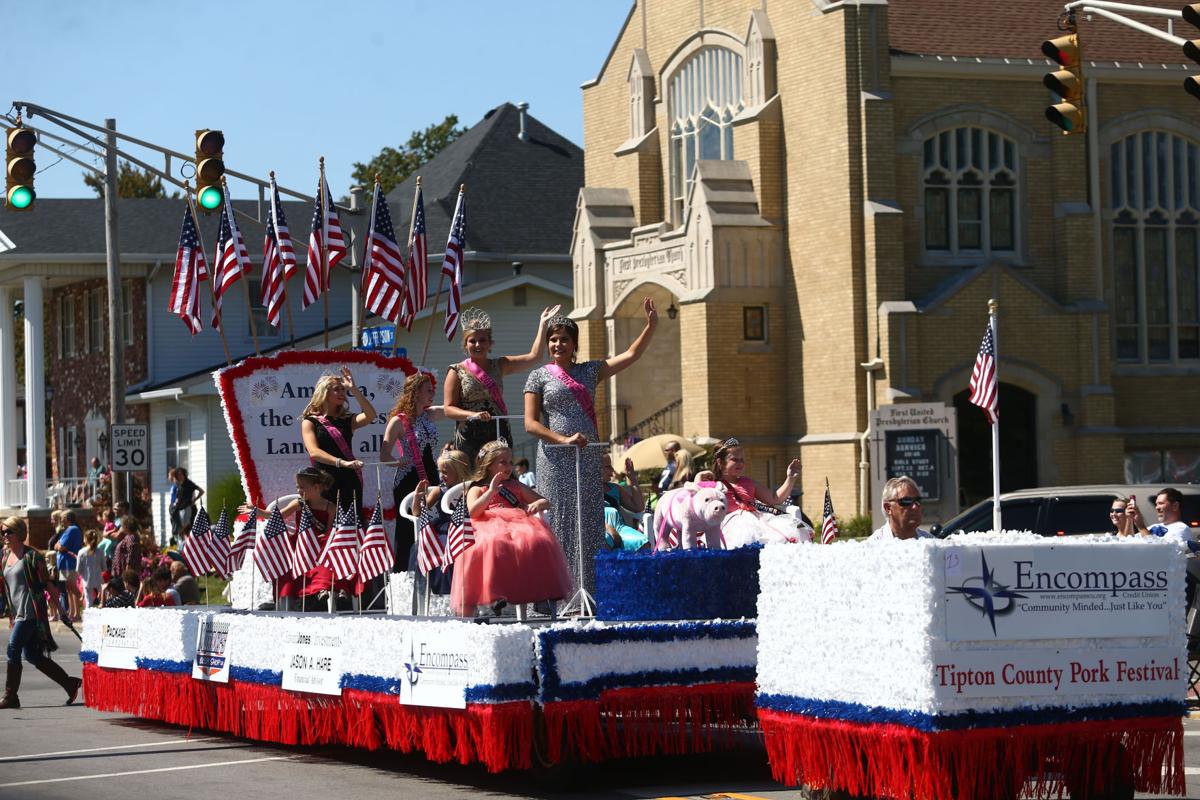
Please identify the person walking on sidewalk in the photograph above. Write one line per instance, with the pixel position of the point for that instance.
(23, 593)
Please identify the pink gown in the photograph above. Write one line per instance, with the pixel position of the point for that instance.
(515, 558)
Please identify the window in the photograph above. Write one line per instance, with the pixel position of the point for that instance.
(1155, 201)
(177, 442)
(704, 95)
(969, 180)
(1180, 465)
(95, 321)
(754, 323)
(66, 326)
(127, 312)
(263, 330)
(1074, 515)
(68, 452)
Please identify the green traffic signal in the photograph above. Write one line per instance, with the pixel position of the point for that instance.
(20, 197)
(210, 198)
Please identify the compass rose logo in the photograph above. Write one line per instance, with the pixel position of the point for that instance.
(412, 671)
(992, 599)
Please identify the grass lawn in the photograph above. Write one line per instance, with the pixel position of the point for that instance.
(215, 587)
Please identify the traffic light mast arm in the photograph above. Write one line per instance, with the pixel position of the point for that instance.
(1102, 8)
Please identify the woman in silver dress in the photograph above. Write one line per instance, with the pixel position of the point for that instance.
(560, 408)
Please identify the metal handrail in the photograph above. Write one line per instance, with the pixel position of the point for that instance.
(658, 422)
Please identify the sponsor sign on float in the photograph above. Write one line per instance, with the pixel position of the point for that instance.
(436, 668)
(118, 646)
(1025, 592)
(1038, 673)
(313, 663)
(211, 662)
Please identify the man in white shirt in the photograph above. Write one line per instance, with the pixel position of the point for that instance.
(902, 510)
(1168, 507)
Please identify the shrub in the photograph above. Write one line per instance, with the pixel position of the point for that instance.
(856, 527)
(226, 492)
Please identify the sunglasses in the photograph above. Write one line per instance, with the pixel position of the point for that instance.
(907, 502)
(1120, 512)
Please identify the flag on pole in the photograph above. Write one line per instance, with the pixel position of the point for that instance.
(417, 288)
(279, 258)
(196, 551)
(383, 276)
(375, 557)
(244, 541)
(985, 392)
(230, 261)
(341, 548)
(190, 269)
(326, 238)
(462, 531)
(430, 553)
(271, 548)
(452, 265)
(308, 549)
(219, 545)
(829, 526)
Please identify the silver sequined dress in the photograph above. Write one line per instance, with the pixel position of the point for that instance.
(562, 414)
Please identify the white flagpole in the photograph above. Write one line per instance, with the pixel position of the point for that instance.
(992, 307)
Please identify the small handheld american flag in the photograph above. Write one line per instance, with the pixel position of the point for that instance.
(219, 545)
(341, 548)
(244, 541)
(430, 553)
(829, 526)
(196, 551)
(462, 531)
(271, 548)
(375, 557)
(308, 549)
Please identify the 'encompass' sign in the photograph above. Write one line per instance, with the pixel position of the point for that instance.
(437, 667)
(1025, 592)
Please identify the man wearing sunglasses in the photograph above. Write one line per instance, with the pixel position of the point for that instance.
(902, 509)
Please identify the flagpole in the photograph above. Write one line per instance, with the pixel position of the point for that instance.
(287, 309)
(326, 278)
(412, 223)
(993, 306)
(462, 189)
(212, 292)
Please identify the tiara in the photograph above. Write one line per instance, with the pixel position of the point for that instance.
(561, 320)
(497, 444)
(475, 319)
(728, 443)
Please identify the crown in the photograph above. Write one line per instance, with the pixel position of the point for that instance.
(561, 320)
(475, 319)
(498, 444)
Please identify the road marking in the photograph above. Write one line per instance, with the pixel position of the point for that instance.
(737, 796)
(1191, 770)
(1191, 733)
(144, 771)
(114, 747)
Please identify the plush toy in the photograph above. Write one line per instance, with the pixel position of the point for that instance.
(743, 528)
(684, 514)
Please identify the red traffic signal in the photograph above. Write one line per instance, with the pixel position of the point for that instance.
(1069, 113)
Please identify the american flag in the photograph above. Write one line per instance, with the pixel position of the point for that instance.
(308, 549)
(326, 237)
(271, 548)
(197, 553)
(417, 288)
(231, 259)
(244, 541)
(219, 539)
(383, 277)
(279, 259)
(829, 526)
(985, 392)
(376, 556)
(430, 553)
(462, 531)
(190, 269)
(452, 265)
(341, 548)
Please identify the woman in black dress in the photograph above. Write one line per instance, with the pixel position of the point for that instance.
(327, 428)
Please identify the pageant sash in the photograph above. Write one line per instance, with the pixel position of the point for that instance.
(488, 382)
(414, 449)
(341, 442)
(508, 496)
(582, 395)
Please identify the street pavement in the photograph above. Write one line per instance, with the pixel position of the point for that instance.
(55, 751)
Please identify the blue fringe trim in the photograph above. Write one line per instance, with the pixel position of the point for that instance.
(88, 656)
(501, 693)
(164, 665)
(267, 677)
(677, 584)
(930, 723)
(591, 689)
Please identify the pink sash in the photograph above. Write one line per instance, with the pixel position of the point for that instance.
(414, 450)
(488, 382)
(341, 442)
(582, 395)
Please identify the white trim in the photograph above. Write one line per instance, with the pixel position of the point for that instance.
(973, 67)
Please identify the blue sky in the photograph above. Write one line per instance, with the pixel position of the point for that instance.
(290, 81)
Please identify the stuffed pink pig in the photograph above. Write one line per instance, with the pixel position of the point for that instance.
(683, 514)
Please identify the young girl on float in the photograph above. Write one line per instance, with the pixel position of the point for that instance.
(515, 558)
(744, 524)
(411, 429)
(453, 468)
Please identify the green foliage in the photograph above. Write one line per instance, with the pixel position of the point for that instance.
(226, 492)
(395, 164)
(856, 527)
(131, 182)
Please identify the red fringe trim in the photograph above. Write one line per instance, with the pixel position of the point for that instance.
(666, 720)
(898, 762)
(500, 736)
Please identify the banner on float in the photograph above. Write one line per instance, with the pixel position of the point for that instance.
(211, 662)
(313, 663)
(264, 400)
(1026, 592)
(118, 646)
(437, 666)
(1152, 671)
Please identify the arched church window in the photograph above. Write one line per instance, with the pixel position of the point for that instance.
(969, 179)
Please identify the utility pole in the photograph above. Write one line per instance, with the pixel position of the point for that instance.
(116, 339)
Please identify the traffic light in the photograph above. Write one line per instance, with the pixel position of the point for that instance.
(19, 167)
(209, 169)
(1067, 83)
(1191, 49)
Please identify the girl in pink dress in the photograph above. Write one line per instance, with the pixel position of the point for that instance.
(745, 524)
(515, 557)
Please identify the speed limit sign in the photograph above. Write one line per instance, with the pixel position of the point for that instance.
(130, 447)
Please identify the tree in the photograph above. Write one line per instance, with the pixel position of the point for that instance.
(395, 164)
(131, 182)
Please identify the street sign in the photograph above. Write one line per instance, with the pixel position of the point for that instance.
(130, 447)
(380, 337)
